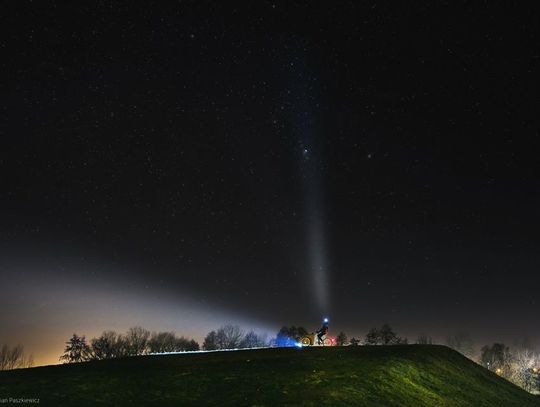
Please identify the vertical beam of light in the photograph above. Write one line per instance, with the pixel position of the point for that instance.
(318, 264)
(314, 210)
(302, 101)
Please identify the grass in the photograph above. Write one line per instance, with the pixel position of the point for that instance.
(414, 375)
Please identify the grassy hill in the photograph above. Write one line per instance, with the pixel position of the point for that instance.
(415, 375)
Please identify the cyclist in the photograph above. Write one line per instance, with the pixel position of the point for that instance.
(322, 331)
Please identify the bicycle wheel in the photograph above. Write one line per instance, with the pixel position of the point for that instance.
(327, 342)
(306, 341)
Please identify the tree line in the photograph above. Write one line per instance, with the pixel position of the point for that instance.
(139, 341)
(233, 337)
(135, 342)
(385, 335)
(521, 367)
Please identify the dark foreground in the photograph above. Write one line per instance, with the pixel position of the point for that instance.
(415, 375)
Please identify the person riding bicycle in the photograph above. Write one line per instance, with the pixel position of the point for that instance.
(322, 331)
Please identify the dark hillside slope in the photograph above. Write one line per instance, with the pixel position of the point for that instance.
(413, 375)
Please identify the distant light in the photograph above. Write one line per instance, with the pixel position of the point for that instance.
(298, 344)
(326, 320)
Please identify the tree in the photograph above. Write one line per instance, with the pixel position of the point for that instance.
(183, 345)
(76, 350)
(289, 336)
(4, 351)
(462, 342)
(14, 358)
(109, 345)
(193, 346)
(284, 338)
(300, 331)
(341, 339)
(136, 340)
(523, 369)
(210, 341)
(536, 379)
(384, 336)
(424, 340)
(229, 337)
(354, 341)
(162, 342)
(388, 336)
(496, 358)
(373, 337)
(293, 332)
(252, 340)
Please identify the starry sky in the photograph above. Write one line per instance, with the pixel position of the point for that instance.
(182, 165)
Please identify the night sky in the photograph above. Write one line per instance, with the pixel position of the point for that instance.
(184, 165)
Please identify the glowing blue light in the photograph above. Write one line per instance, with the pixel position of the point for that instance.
(298, 345)
(285, 342)
(326, 320)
